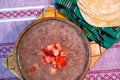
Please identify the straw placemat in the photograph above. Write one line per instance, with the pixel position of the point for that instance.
(96, 50)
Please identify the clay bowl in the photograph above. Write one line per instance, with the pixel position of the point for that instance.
(46, 31)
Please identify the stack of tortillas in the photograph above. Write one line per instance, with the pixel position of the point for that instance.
(100, 13)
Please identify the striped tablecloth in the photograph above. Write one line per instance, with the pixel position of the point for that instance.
(15, 15)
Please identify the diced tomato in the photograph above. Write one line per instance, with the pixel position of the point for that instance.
(43, 61)
(53, 54)
(63, 53)
(47, 59)
(58, 46)
(53, 71)
(62, 62)
(45, 50)
(52, 59)
(49, 47)
(32, 69)
(57, 59)
(55, 51)
(50, 53)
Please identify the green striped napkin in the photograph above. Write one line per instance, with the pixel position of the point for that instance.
(104, 36)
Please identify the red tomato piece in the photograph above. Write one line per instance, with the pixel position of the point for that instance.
(57, 59)
(58, 46)
(63, 53)
(47, 59)
(62, 62)
(32, 69)
(52, 59)
(55, 51)
(43, 61)
(49, 47)
(45, 50)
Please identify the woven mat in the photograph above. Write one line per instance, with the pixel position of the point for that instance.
(96, 50)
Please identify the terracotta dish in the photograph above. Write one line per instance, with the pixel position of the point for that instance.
(52, 49)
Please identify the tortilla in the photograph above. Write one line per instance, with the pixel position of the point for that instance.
(100, 13)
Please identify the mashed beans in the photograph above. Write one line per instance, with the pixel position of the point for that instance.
(48, 32)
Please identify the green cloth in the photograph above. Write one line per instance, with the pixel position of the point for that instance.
(105, 37)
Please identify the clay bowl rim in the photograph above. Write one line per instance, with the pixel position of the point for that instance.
(82, 34)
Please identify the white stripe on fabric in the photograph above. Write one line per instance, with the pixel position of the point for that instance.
(22, 8)
(19, 19)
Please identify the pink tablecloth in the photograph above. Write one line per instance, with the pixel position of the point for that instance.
(16, 14)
